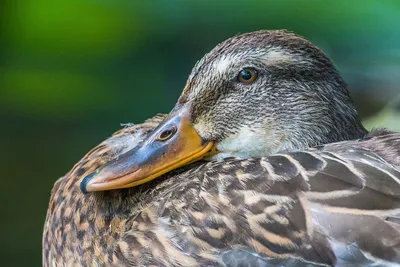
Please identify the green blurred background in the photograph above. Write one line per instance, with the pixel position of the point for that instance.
(71, 71)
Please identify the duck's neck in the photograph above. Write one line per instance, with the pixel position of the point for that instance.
(257, 142)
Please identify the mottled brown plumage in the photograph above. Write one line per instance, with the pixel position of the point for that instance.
(292, 205)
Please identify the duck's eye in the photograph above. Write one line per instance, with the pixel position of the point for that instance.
(247, 75)
(167, 134)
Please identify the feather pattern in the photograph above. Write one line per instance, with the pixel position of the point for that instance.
(297, 196)
(336, 204)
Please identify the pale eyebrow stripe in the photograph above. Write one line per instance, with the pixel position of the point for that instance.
(274, 57)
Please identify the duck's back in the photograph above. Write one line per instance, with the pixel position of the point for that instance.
(334, 205)
(331, 205)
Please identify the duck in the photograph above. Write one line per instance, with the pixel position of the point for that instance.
(263, 161)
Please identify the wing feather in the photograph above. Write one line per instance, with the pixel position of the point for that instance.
(334, 205)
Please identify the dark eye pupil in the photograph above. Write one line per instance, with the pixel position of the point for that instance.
(246, 75)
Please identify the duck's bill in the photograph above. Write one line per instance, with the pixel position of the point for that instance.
(173, 144)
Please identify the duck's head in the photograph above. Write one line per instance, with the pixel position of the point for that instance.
(253, 95)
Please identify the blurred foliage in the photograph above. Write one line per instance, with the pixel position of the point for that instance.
(70, 71)
(388, 117)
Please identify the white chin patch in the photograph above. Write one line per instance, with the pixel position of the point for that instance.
(248, 143)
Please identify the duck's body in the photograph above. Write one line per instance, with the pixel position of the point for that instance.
(334, 204)
(234, 211)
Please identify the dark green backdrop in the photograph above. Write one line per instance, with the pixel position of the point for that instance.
(71, 71)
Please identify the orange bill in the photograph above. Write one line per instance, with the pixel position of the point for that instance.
(173, 144)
